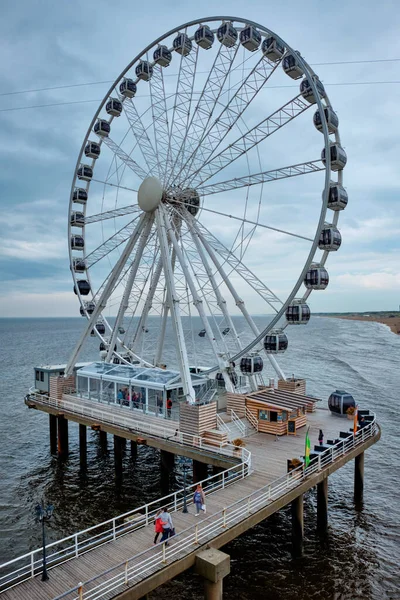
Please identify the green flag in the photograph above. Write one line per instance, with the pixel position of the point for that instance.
(307, 450)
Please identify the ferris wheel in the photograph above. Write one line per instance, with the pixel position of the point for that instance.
(197, 197)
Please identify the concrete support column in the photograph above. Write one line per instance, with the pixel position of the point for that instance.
(53, 433)
(82, 444)
(213, 565)
(359, 477)
(62, 443)
(297, 526)
(167, 460)
(133, 449)
(322, 505)
(103, 440)
(200, 471)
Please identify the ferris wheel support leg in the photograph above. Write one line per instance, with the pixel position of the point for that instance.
(147, 307)
(175, 309)
(161, 337)
(198, 302)
(239, 302)
(108, 288)
(127, 292)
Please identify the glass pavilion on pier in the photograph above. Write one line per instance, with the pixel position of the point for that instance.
(135, 386)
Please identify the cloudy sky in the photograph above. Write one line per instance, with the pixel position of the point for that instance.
(47, 45)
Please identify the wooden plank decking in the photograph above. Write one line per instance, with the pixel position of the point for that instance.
(269, 458)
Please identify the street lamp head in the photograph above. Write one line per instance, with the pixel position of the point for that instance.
(39, 511)
(49, 511)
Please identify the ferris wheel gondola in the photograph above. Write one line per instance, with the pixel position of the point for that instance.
(172, 206)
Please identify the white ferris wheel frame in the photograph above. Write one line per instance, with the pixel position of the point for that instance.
(140, 230)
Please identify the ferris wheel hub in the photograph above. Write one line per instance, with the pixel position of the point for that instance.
(150, 194)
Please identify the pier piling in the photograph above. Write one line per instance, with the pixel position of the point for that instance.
(359, 477)
(322, 505)
(200, 471)
(53, 433)
(297, 526)
(103, 441)
(133, 449)
(62, 443)
(82, 444)
(213, 565)
(118, 454)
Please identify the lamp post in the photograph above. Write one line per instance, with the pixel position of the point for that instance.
(185, 468)
(44, 514)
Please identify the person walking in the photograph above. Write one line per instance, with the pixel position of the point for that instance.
(169, 407)
(158, 525)
(199, 499)
(167, 525)
(321, 437)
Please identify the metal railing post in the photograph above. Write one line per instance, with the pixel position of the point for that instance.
(76, 545)
(224, 517)
(147, 514)
(196, 534)
(223, 479)
(319, 462)
(113, 527)
(126, 572)
(164, 559)
(32, 565)
(80, 590)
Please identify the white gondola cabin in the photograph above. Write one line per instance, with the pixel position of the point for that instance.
(84, 172)
(275, 342)
(298, 312)
(77, 219)
(331, 118)
(316, 278)
(102, 128)
(251, 364)
(272, 49)
(144, 70)
(338, 198)
(292, 67)
(114, 107)
(127, 88)
(307, 92)
(92, 150)
(330, 238)
(78, 265)
(182, 44)
(250, 38)
(338, 157)
(80, 195)
(77, 242)
(204, 37)
(83, 287)
(227, 35)
(162, 56)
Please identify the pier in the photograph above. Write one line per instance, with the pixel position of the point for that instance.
(117, 558)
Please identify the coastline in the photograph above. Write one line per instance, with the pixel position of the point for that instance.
(392, 322)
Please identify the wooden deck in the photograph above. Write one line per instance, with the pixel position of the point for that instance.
(269, 462)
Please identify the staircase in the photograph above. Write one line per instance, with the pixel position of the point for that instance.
(237, 427)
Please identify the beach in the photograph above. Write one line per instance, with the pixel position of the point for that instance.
(392, 322)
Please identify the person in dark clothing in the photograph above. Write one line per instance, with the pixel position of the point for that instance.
(321, 437)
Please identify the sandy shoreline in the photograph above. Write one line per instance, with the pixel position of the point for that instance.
(392, 322)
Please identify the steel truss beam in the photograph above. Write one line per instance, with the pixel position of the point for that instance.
(198, 302)
(132, 164)
(128, 287)
(174, 308)
(160, 117)
(250, 139)
(111, 214)
(142, 137)
(108, 288)
(111, 244)
(258, 178)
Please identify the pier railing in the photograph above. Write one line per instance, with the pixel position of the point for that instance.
(29, 565)
(140, 566)
(84, 408)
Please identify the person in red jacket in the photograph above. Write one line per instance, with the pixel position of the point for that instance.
(158, 525)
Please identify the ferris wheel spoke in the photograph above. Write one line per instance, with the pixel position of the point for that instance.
(160, 117)
(239, 267)
(129, 162)
(197, 301)
(144, 236)
(181, 109)
(231, 113)
(111, 243)
(313, 166)
(142, 138)
(111, 214)
(207, 101)
(250, 139)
